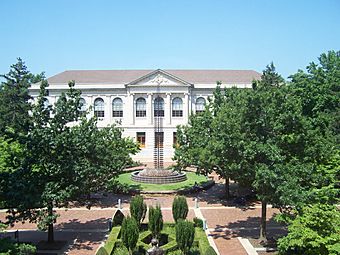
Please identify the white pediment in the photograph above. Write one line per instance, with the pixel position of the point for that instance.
(158, 78)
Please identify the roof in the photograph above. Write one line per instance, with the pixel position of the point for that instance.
(127, 76)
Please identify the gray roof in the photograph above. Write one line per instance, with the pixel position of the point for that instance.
(126, 76)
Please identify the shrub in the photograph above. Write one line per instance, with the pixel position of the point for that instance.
(185, 233)
(314, 231)
(210, 251)
(117, 218)
(7, 247)
(25, 249)
(138, 209)
(129, 233)
(155, 221)
(198, 222)
(101, 251)
(180, 208)
(120, 251)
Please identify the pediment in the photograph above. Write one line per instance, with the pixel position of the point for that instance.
(158, 78)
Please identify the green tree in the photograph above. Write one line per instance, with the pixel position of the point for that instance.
(14, 100)
(155, 221)
(179, 208)
(67, 157)
(130, 233)
(273, 128)
(138, 209)
(185, 234)
(314, 231)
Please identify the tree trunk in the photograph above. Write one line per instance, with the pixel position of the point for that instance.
(50, 235)
(263, 227)
(227, 193)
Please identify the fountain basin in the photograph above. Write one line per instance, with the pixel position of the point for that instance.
(154, 176)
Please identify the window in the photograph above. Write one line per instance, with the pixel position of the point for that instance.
(200, 104)
(99, 108)
(82, 106)
(117, 107)
(159, 107)
(159, 139)
(177, 107)
(140, 107)
(141, 139)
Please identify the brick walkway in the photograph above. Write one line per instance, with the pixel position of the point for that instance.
(85, 229)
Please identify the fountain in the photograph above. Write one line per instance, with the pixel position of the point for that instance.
(158, 175)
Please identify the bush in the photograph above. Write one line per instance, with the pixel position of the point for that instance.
(210, 251)
(185, 233)
(180, 208)
(155, 221)
(138, 209)
(314, 231)
(101, 251)
(118, 218)
(120, 251)
(7, 247)
(198, 223)
(130, 233)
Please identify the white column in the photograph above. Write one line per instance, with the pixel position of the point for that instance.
(91, 104)
(130, 109)
(149, 109)
(186, 107)
(107, 108)
(167, 110)
(190, 102)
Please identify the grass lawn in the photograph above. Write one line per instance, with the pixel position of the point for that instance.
(125, 180)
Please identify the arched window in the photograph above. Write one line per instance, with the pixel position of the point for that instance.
(82, 104)
(177, 107)
(117, 107)
(159, 107)
(200, 104)
(99, 108)
(140, 107)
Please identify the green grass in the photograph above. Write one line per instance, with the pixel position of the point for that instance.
(125, 180)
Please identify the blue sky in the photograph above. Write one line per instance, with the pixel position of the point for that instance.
(54, 36)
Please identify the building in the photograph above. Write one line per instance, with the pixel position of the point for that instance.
(147, 104)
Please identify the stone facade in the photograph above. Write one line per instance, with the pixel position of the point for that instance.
(129, 98)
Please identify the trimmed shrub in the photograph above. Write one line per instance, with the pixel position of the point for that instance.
(118, 218)
(138, 209)
(120, 251)
(198, 223)
(185, 234)
(130, 233)
(210, 251)
(180, 208)
(101, 251)
(155, 221)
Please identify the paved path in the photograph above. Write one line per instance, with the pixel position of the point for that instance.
(86, 229)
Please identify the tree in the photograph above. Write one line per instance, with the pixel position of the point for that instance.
(138, 209)
(185, 234)
(14, 100)
(67, 157)
(314, 231)
(130, 233)
(211, 139)
(274, 130)
(155, 221)
(179, 208)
